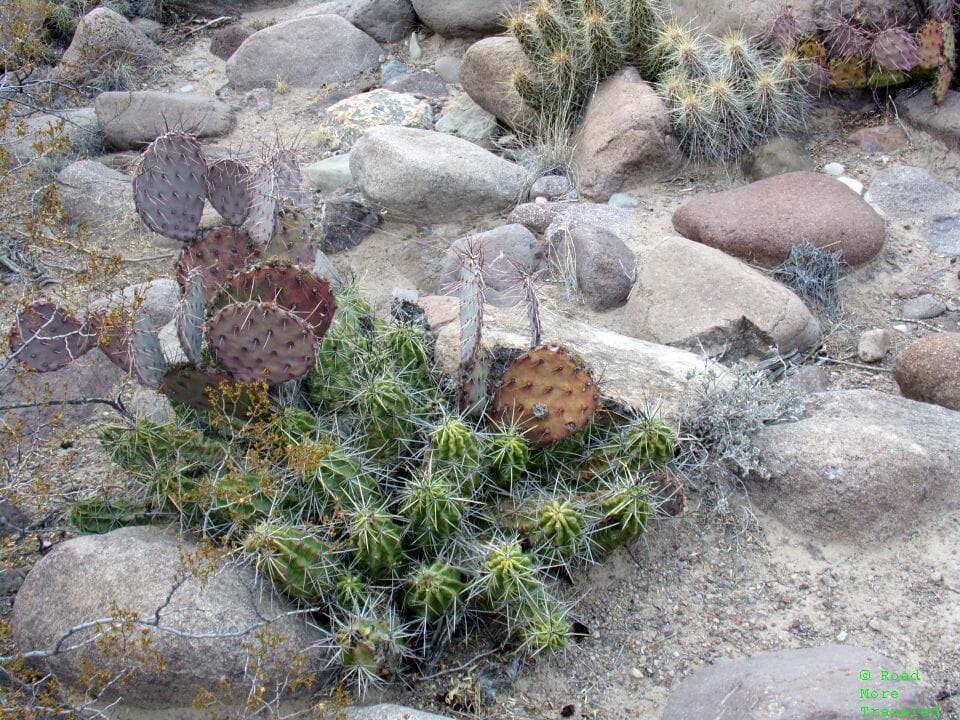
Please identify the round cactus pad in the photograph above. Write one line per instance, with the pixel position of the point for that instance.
(229, 189)
(205, 389)
(171, 186)
(219, 254)
(46, 337)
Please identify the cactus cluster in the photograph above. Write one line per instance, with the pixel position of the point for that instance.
(849, 54)
(360, 490)
(724, 94)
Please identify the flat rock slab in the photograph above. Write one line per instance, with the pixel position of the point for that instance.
(138, 570)
(904, 191)
(637, 373)
(862, 466)
(943, 236)
(424, 176)
(762, 221)
(385, 21)
(307, 53)
(130, 119)
(929, 370)
(389, 712)
(821, 683)
(739, 311)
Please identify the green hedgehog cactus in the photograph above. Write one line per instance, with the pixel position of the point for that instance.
(97, 516)
(560, 523)
(146, 447)
(647, 443)
(385, 408)
(375, 538)
(544, 624)
(435, 591)
(335, 477)
(505, 455)
(434, 506)
(623, 508)
(298, 561)
(508, 574)
(369, 644)
(351, 590)
(407, 352)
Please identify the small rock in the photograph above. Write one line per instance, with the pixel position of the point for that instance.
(448, 68)
(259, 99)
(873, 345)
(391, 69)
(344, 225)
(550, 187)
(905, 292)
(879, 139)
(900, 328)
(224, 41)
(156, 299)
(854, 185)
(929, 370)
(943, 237)
(416, 52)
(776, 157)
(422, 83)
(503, 250)
(355, 115)
(537, 216)
(386, 21)
(151, 28)
(904, 191)
(389, 712)
(330, 174)
(11, 580)
(810, 379)
(923, 307)
(94, 194)
(465, 18)
(148, 404)
(941, 120)
(622, 200)
(465, 119)
(13, 520)
(834, 168)
(186, 89)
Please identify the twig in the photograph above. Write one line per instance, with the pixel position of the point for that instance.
(826, 358)
(460, 668)
(921, 323)
(211, 23)
(116, 404)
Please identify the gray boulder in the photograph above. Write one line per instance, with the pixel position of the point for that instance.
(462, 117)
(79, 129)
(777, 157)
(389, 712)
(425, 176)
(929, 370)
(307, 53)
(941, 121)
(625, 136)
(104, 37)
(820, 683)
(206, 631)
(456, 18)
(485, 75)
(329, 175)
(386, 21)
(505, 252)
(92, 193)
(589, 238)
(131, 119)
(636, 373)
(861, 467)
(157, 299)
(696, 297)
(904, 191)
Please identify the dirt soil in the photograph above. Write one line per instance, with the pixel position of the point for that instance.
(697, 588)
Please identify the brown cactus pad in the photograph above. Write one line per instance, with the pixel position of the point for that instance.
(205, 389)
(171, 186)
(46, 337)
(219, 254)
(229, 189)
(547, 394)
(292, 238)
(113, 336)
(291, 287)
(256, 341)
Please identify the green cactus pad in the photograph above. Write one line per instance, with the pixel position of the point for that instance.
(170, 186)
(435, 590)
(217, 256)
(547, 394)
(293, 288)
(97, 516)
(229, 189)
(255, 341)
(46, 337)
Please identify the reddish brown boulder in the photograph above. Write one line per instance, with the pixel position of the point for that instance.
(486, 76)
(879, 139)
(929, 370)
(762, 221)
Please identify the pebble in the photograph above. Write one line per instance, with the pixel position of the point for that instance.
(549, 187)
(873, 345)
(391, 69)
(854, 185)
(944, 235)
(841, 636)
(622, 200)
(834, 168)
(900, 328)
(187, 89)
(636, 673)
(923, 307)
(416, 52)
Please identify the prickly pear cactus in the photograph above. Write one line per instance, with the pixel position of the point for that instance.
(217, 256)
(229, 189)
(46, 337)
(547, 394)
(189, 317)
(170, 186)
